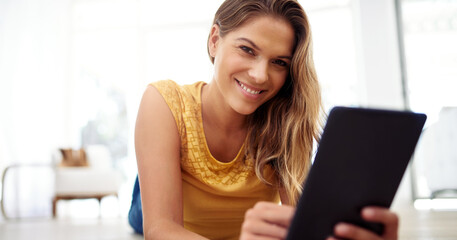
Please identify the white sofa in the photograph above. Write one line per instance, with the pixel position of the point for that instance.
(97, 180)
(436, 154)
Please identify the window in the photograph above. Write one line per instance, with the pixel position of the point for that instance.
(334, 48)
(430, 37)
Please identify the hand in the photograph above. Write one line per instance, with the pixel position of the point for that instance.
(371, 214)
(267, 221)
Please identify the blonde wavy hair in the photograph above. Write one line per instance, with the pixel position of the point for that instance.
(281, 132)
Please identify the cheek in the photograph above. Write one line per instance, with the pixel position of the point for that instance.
(280, 79)
(229, 63)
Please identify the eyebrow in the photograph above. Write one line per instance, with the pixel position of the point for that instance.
(258, 48)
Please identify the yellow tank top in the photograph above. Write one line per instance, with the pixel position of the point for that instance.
(215, 194)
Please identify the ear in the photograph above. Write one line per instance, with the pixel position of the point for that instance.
(213, 40)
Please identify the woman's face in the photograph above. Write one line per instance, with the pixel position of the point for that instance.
(252, 62)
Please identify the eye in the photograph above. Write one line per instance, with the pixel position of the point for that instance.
(280, 62)
(247, 50)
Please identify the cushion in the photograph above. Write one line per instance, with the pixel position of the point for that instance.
(73, 158)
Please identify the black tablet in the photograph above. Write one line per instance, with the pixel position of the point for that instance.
(360, 161)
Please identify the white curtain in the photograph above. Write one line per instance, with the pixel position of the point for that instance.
(33, 94)
(33, 76)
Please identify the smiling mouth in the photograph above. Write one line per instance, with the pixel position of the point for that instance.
(255, 92)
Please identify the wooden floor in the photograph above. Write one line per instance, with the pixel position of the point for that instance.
(428, 225)
(68, 229)
(414, 224)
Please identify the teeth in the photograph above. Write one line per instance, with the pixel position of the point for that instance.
(248, 90)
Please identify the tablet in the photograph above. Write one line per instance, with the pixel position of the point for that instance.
(360, 161)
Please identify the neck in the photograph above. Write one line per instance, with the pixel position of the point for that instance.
(216, 112)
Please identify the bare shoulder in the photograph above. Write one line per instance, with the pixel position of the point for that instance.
(153, 101)
(154, 114)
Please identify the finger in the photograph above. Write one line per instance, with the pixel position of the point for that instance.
(331, 238)
(349, 231)
(274, 213)
(379, 214)
(384, 216)
(255, 222)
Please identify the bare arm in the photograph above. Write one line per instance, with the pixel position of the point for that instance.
(157, 146)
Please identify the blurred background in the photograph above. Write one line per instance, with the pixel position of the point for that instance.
(72, 73)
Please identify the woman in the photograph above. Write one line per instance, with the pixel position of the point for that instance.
(215, 159)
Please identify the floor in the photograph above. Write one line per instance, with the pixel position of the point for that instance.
(427, 225)
(68, 229)
(414, 224)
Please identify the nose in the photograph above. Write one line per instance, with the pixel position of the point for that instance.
(259, 72)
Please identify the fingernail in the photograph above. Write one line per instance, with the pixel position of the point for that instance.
(341, 227)
(368, 212)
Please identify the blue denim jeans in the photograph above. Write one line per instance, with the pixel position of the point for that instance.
(136, 212)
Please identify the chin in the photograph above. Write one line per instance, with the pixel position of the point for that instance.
(245, 110)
